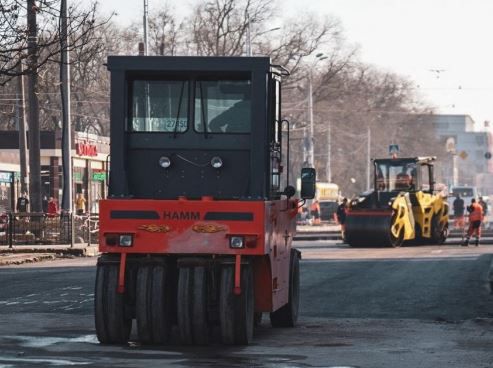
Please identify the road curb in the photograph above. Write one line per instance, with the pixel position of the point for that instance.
(19, 259)
(21, 255)
(316, 237)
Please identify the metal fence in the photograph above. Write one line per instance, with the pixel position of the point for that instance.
(42, 229)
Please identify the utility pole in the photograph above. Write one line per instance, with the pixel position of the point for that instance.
(21, 127)
(249, 37)
(66, 122)
(311, 151)
(368, 167)
(32, 85)
(328, 169)
(311, 154)
(146, 26)
(306, 147)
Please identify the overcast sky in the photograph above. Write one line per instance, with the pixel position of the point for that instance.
(408, 37)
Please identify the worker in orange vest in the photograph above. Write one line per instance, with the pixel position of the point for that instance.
(475, 219)
(315, 212)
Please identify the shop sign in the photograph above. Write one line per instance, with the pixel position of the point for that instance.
(99, 176)
(77, 176)
(86, 149)
(5, 177)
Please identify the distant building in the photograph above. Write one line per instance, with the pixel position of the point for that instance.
(473, 145)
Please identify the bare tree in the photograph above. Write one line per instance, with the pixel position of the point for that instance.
(303, 37)
(219, 27)
(14, 45)
(381, 103)
(164, 32)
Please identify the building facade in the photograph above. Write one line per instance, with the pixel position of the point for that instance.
(470, 148)
(89, 167)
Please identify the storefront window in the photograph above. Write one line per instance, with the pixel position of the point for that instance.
(6, 192)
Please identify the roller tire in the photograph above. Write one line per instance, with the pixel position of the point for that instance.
(153, 305)
(287, 316)
(193, 323)
(438, 235)
(257, 319)
(395, 242)
(113, 325)
(236, 312)
(200, 321)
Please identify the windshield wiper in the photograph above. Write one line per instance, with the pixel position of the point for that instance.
(202, 110)
(179, 109)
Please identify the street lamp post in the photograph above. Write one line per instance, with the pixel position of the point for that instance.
(368, 159)
(249, 35)
(328, 168)
(311, 148)
(311, 151)
(146, 26)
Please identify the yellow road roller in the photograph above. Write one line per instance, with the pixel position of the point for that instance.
(402, 207)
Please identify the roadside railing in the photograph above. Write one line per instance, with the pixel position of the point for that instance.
(86, 228)
(44, 229)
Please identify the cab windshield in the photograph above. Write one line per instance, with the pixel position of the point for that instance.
(395, 176)
(222, 106)
(159, 106)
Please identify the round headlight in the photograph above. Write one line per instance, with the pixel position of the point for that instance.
(164, 162)
(216, 162)
(237, 242)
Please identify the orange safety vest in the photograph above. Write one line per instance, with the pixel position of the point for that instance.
(476, 213)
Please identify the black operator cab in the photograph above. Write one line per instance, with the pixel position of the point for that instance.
(410, 175)
(195, 127)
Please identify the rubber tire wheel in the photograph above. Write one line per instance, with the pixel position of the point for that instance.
(257, 319)
(153, 305)
(287, 315)
(393, 241)
(236, 311)
(193, 323)
(397, 242)
(112, 324)
(437, 236)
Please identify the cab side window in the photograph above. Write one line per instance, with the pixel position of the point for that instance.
(425, 177)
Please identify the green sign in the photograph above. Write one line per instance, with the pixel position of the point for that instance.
(77, 176)
(99, 176)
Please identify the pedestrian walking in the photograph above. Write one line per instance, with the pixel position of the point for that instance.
(458, 212)
(44, 203)
(341, 216)
(484, 205)
(80, 204)
(315, 212)
(22, 203)
(52, 207)
(475, 218)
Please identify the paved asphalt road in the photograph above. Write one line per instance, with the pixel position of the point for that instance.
(408, 307)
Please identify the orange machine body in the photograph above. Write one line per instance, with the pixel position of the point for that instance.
(205, 227)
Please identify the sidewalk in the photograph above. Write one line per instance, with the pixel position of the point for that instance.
(318, 228)
(20, 254)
